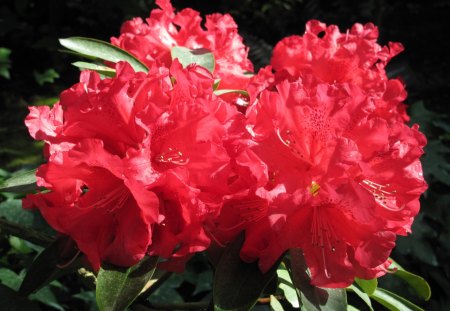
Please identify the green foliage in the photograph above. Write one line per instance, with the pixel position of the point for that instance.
(369, 286)
(97, 49)
(48, 76)
(106, 71)
(51, 263)
(393, 301)
(237, 284)
(118, 287)
(25, 32)
(419, 284)
(314, 298)
(287, 286)
(5, 63)
(20, 182)
(202, 57)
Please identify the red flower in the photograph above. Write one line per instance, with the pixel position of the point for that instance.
(352, 180)
(324, 54)
(136, 164)
(153, 39)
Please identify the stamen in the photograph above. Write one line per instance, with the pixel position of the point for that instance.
(290, 142)
(314, 189)
(173, 156)
(322, 235)
(248, 211)
(383, 197)
(325, 269)
(113, 200)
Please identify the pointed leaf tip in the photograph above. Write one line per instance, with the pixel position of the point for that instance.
(102, 50)
(118, 287)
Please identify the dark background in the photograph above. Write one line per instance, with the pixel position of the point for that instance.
(38, 72)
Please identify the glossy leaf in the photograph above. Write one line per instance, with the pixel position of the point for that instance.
(393, 301)
(9, 278)
(19, 245)
(202, 57)
(368, 286)
(238, 284)
(288, 288)
(227, 91)
(361, 295)
(314, 298)
(275, 305)
(27, 224)
(109, 72)
(102, 50)
(20, 182)
(419, 284)
(118, 287)
(55, 260)
(47, 297)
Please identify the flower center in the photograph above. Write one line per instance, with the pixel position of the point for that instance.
(114, 199)
(314, 189)
(172, 155)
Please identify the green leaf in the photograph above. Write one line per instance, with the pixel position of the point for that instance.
(19, 245)
(275, 305)
(102, 50)
(287, 286)
(5, 63)
(419, 284)
(48, 76)
(20, 182)
(118, 287)
(46, 296)
(12, 211)
(202, 57)
(9, 278)
(107, 71)
(216, 84)
(352, 308)
(314, 298)
(393, 301)
(368, 286)
(26, 224)
(12, 301)
(361, 295)
(227, 91)
(167, 292)
(52, 262)
(238, 284)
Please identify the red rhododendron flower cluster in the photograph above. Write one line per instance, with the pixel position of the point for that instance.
(153, 39)
(156, 164)
(134, 161)
(330, 128)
